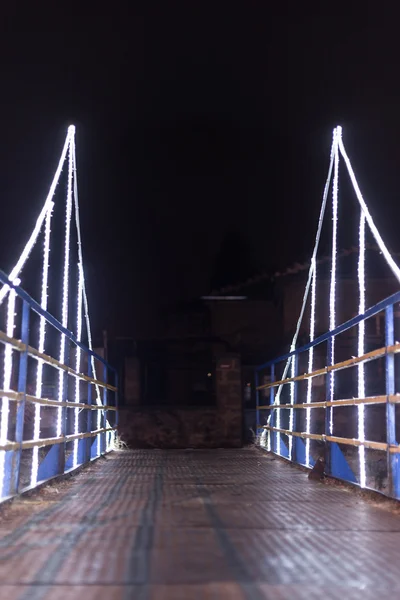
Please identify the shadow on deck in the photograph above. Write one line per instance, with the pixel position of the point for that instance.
(183, 525)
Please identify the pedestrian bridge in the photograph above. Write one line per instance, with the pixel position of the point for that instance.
(246, 523)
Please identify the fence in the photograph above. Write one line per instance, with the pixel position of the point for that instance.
(369, 457)
(44, 437)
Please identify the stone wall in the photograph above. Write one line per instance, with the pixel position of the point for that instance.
(169, 427)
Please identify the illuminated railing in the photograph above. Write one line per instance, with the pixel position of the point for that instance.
(292, 441)
(92, 419)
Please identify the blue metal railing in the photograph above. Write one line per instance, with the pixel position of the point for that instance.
(64, 452)
(336, 451)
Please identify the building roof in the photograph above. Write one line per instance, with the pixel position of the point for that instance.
(347, 261)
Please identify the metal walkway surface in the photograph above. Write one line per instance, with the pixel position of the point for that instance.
(183, 525)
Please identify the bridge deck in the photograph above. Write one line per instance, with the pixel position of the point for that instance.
(183, 525)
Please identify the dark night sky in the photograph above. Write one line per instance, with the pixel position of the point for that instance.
(194, 119)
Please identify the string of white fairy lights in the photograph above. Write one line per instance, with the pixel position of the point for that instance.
(38, 226)
(332, 292)
(65, 290)
(311, 280)
(82, 306)
(79, 321)
(111, 435)
(44, 216)
(361, 349)
(42, 335)
(311, 356)
(365, 217)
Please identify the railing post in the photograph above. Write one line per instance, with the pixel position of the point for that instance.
(328, 410)
(294, 398)
(89, 418)
(272, 420)
(22, 377)
(392, 459)
(104, 444)
(61, 456)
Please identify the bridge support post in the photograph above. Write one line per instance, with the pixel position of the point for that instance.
(393, 463)
(104, 436)
(62, 446)
(22, 376)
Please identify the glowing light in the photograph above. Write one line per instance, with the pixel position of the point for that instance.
(42, 337)
(310, 274)
(32, 240)
(64, 320)
(332, 294)
(395, 269)
(313, 260)
(5, 407)
(78, 362)
(278, 423)
(263, 440)
(85, 300)
(311, 357)
(361, 349)
(99, 415)
(291, 409)
(45, 218)
(365, 216)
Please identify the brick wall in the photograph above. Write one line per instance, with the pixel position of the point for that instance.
(220, 427)
(346, 301)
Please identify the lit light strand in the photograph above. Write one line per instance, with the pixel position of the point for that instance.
(5, 406)
(99, 415)
(85, 299)
(42, 338)
(311, 357)
(64, 320)
(382, 247)
(78, 362)
(35, 233)
(80, 258)
(278, 421)
(332, 294)
(292, 384)
(309, 280)
(313, 259)
(361, 349)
